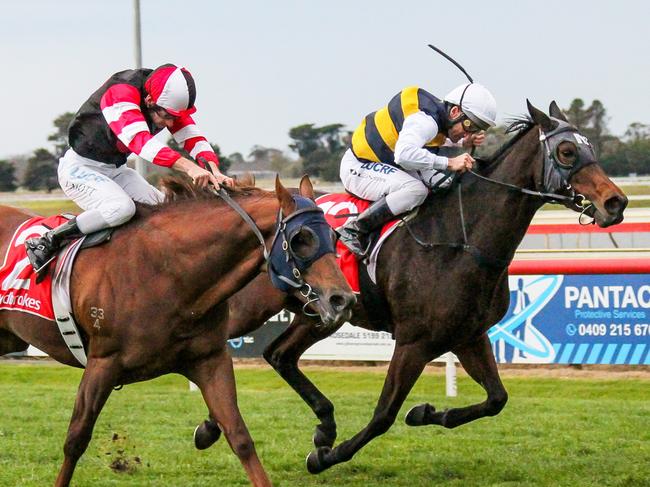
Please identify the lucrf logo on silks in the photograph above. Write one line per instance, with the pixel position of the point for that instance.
(378, 167)
(581, 138)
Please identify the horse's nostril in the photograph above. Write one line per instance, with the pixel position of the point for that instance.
(341, 301)
(615, 204)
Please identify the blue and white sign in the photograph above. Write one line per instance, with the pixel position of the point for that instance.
(575, 319)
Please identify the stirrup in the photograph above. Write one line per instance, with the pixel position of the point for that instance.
(362, 254)
(45, 265)
(42, 271)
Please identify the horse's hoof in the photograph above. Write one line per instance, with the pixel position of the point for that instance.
(323, 438)
(316, 460)
(418, 415)
(206, 434)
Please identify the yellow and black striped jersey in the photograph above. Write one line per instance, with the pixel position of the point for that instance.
(374, 140)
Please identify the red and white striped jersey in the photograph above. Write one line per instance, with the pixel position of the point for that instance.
(115, 122)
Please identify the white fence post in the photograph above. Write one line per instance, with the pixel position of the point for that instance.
(450, 375)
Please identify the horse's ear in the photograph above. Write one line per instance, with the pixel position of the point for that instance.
(540, 118)
(306, 188)
(555, 112)
(284, 197)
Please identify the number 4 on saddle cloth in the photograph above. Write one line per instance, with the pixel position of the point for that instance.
(338, 209)
(49, 297)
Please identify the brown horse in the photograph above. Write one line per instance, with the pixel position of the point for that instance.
(152, 301)
(442, 295)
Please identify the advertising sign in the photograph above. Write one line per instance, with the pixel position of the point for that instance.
(573, 319)
(576, 319)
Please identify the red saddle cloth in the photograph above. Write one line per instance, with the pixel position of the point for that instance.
(18, 288)
(338, 209)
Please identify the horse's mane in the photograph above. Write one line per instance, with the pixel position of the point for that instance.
(179, 190)
(518, 126)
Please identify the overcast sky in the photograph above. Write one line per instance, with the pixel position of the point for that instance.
(262, 67)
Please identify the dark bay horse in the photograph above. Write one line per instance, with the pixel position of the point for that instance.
(441, 298)
(152, 301)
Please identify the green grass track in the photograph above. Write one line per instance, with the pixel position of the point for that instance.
(553, 432)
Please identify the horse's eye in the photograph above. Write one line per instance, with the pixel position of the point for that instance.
(304, 244)
(567, 154)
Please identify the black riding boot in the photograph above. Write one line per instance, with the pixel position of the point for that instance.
(353, 233)
(43, 249)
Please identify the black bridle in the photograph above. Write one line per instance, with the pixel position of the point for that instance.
(554, 181)
(284, 265)
(555, 177)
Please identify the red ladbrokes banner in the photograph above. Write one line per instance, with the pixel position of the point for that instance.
(18, 288)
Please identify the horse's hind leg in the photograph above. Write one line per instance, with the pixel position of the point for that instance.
(96, 384)
(216, 379)
(478, 360)
(405, 367)
(10, 343)
(283, 355)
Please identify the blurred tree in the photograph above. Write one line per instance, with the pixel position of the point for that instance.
(60, 137)
(597, 132)
(630, 155)
(281, 164)
(577, 114)
(306, 139)
(236, 158)
(41, 171)
(260, 157)
(7, 176)
(637, 131)
(320, 148)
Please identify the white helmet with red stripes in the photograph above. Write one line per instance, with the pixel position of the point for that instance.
(173, 89)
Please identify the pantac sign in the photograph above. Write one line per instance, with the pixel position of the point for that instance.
(575, 319)
(572, 319)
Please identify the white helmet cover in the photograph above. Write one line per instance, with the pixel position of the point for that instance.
(476, 102)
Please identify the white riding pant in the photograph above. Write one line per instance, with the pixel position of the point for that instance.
(404, 190)
(105, 192)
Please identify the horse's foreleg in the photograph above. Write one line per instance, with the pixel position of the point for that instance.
(478, 360)
(405, 367)
(96, 384)
(283, 355)
(216, 379)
